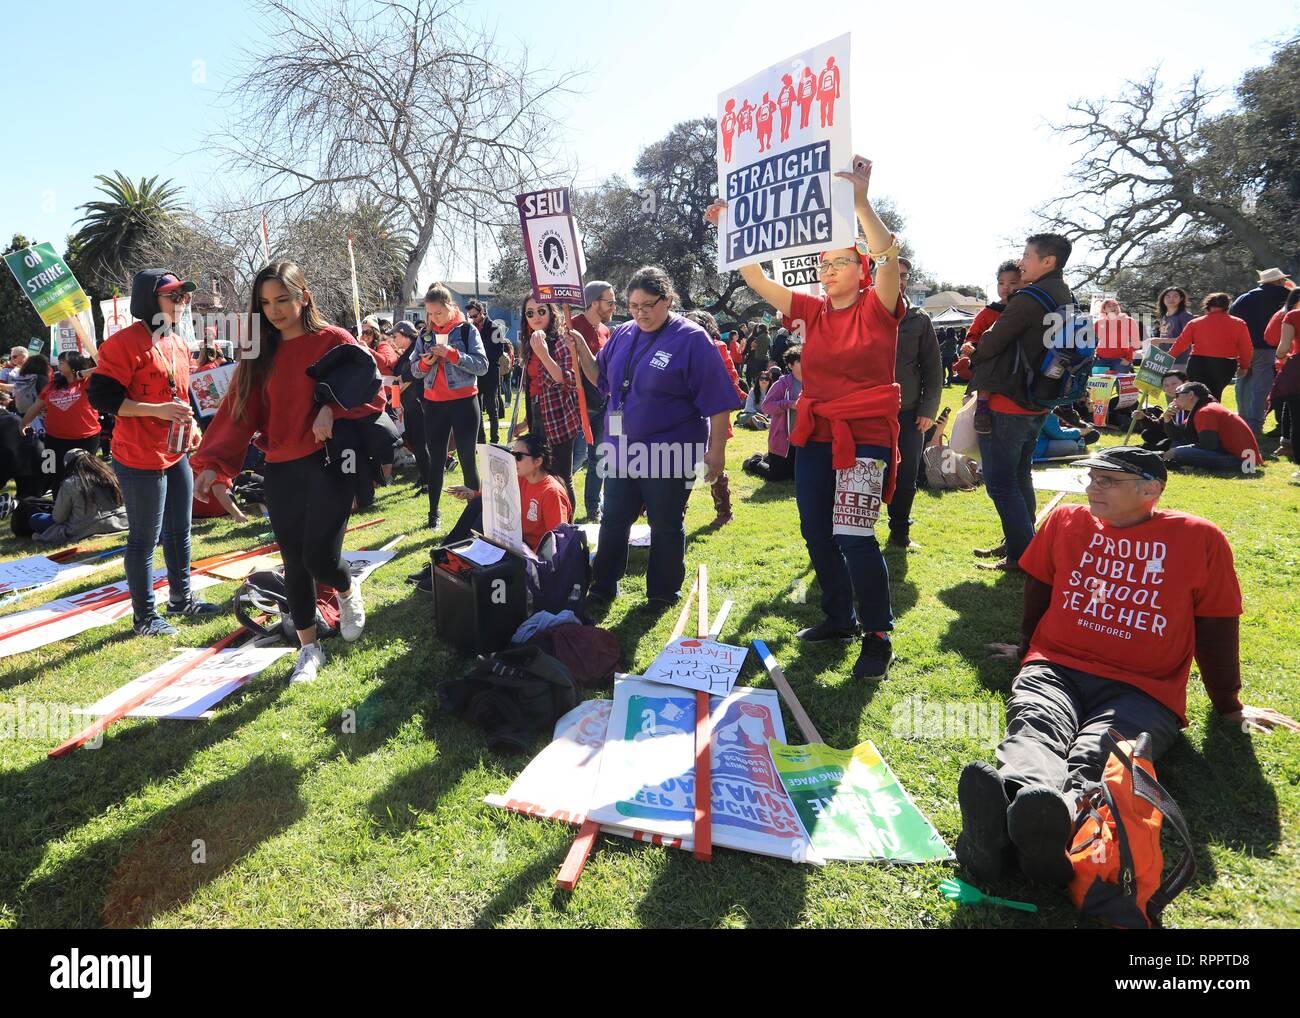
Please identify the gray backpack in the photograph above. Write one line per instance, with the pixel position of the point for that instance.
(946, 470)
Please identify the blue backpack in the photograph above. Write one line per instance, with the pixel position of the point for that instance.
(1061, 376)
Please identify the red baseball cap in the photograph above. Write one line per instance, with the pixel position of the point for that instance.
(170, 284)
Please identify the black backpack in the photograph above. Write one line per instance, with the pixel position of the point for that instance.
(263, 592)
(513, 696)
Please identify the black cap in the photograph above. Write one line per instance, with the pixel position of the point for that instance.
(1127, 459)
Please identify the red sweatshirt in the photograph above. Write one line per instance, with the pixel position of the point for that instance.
(283, 412)
(1217, 334)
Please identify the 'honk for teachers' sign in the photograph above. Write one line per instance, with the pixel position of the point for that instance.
(782, 135)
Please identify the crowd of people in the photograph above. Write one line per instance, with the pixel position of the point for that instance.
(1120, 595)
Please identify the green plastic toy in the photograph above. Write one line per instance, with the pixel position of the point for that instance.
(962, 893)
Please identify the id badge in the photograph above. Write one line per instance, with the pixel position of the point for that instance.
(615, 423)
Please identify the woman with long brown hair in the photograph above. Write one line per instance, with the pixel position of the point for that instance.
(279, 392)
(551, 381)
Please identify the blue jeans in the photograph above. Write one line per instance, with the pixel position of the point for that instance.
(1195, 456)
(40, 522)
(591, 487)
(845, 564)
(1116, 364)
(1252, 391)
(1008, 456)
(665, 506)
(158, 504)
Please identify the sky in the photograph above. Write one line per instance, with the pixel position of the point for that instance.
(951, 101)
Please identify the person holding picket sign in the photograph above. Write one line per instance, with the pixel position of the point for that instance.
(551, 376)
(299, 377)
(143, 379)
(846, 425)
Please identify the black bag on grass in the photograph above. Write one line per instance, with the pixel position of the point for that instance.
(263, 592)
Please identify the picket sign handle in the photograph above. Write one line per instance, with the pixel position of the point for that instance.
(577, 372)
(95, 727)
(1038, 522)
(783, 687)
(703, 829)
(715, 630)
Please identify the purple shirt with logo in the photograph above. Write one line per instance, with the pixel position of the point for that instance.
(678, 381)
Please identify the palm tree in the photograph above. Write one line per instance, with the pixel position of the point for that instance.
(115, 228)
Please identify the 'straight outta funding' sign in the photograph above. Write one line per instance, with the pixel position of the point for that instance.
(782, 135)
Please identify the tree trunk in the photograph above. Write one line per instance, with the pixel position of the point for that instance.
(1266, 253)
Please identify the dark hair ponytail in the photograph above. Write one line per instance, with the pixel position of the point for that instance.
(538, 447)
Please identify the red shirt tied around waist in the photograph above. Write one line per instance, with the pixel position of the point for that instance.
(283, 412)
(68, 413)
(849, 395)
(146, 370)
(1125, 599)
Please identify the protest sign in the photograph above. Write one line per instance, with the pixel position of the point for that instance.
(502, 515)
(116, 312)
(35, 345)
(209, 388)
(48, 283)
(72, 334)
(851, 806)
(195, 692)
(1099, 387)
(1065, 479)
(647, 769)
(1126, 388)
(37, 571)
(858, 497)
(638, 536)
(1155, 365)
(551, 244)
(776, 174)
(702, 665)
(799, 273)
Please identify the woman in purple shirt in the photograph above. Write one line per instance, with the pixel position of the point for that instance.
(669, 400)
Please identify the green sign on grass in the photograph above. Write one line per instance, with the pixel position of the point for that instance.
(48, 283)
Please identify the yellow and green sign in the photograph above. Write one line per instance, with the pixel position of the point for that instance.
(48, 283)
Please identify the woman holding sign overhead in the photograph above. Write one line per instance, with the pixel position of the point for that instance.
(846, 425)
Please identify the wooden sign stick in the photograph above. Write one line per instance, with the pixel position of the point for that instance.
(715, 630)
(703, 739)
(783, 687)
(1048, 508)
(577, 374)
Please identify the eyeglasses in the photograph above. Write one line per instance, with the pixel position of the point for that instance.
(637, 309)
(836, 264)
(537, 313)
(1103, 483)
(176, 298)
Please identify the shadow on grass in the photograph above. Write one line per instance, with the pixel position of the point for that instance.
(986, 613)
(753, 890)
(128, 879)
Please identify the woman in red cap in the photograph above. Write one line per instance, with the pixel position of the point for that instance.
(846, 426)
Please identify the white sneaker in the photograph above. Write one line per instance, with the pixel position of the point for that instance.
(310, 658)
(352, 613)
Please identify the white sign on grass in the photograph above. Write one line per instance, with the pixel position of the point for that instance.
(703, 665)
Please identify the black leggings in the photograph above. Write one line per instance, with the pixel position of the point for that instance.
(309, 504)
(413, 418)
(60, 446)
(444, 418)
(1213, 372)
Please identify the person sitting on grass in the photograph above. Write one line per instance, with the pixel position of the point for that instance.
(1120, 596)
(1223, 441)
(1164, 430)
(1057, 440)
(752, 416)
(779, 403)
(88, 502)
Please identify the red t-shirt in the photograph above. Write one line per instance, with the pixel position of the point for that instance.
(1124, 598)
(595, 335)
(1117, 338)
(132, 358)
(535, 370)
(545, 506)
(68, 413)
(1235, 436)
(1273, 330)
(846, 351)
(1291, 318)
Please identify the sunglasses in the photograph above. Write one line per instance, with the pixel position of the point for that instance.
(521, 455)
(537, 313)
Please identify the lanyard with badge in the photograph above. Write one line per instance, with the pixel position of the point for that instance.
(629, 369)
(178, 432)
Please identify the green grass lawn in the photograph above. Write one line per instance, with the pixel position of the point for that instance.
(304, 825)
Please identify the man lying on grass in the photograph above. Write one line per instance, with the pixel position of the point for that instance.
(1119, 597)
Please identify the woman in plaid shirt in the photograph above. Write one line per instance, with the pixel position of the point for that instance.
(552, 383)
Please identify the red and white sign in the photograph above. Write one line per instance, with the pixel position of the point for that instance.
(858, 498)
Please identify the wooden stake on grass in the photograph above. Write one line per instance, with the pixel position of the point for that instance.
(703, 828)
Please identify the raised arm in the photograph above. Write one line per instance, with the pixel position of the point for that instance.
(879, 240)
(753, 275)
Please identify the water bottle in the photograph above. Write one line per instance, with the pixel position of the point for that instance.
(1053, 365)
(178, 434)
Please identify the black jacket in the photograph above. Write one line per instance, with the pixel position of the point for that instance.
(919, 368)
(1022, 328)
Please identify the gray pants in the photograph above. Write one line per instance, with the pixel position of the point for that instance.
(1055, 721)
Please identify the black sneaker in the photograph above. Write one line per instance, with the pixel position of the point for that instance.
(193, 607)
(826, 630)
(875, 658)
(1039, 825)
(435, 520)
(154, 625)
(983, 847)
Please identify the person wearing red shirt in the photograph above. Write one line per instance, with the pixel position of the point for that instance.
(593, 326)
(1120, 597)
(1224, 441)
(1284, 397)
(1117, 338)
(293, 412)
(1220, 345)
(373, 339)
(70, 420)
(543, 500)
(552, 374)
(721, 488)
(143, 380)
(846, 425)
(1008, 278)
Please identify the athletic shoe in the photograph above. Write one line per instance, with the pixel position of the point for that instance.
(193, 607)
(876, 656)
(998, 552)
(352, 613)
(155, 625)
(449, 464)
(1039, 824)
(310, 658)
(1002, 565)
(7, 505)
(983, 847)
(902, 540)
(825, 631)
(435, 520)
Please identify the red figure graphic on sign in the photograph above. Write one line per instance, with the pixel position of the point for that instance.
(746, 118)
(764, 117)
(807, 93)
(785, 103)
(828, 90)
(728, 127)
